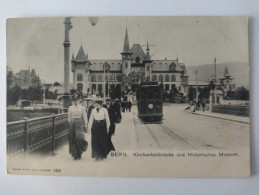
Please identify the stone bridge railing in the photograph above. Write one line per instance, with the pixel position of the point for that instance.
(42, 135)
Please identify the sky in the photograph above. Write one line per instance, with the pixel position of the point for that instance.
(38, 42)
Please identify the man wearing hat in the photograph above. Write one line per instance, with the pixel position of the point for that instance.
(99, 125)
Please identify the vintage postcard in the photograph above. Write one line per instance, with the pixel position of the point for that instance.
(128, 96)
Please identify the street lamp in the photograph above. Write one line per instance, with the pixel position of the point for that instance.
(66, 44)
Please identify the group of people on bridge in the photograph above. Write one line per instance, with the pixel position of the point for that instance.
(100, 120)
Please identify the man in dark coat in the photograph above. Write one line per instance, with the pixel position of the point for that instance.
(129, 105)
(112, 109)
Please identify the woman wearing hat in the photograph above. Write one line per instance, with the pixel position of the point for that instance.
(99, 124)
(78, 122)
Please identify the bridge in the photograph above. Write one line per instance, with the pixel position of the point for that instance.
(43, 135)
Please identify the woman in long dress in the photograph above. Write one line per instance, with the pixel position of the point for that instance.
(111, 112)
(99, 125)
(78, 122)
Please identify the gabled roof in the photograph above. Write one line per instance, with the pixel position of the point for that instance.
(24, 73)
(81, 55)
(137, 50)
(97, 65)
(164, 65)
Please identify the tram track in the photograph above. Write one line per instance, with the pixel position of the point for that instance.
(174, 139)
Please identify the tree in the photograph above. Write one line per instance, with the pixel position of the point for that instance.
(231, 94)
(35, 93)
(242, 93)
(56, 83)
(50, 95)
(13, 95)
(9, 79)
(204, 92)
(192, 93)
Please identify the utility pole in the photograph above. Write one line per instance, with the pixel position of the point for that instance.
(104, 84)
(197, 90)
(44, 92)
(215, 92)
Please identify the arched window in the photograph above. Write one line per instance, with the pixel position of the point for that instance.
(172, 66)
(94, 88)
(173, 78)
(100, 78)
(106, 77)
(161, 78)
(79, 86)
(167, 78)
(107, 67)
(119, 77)
(137, 59)
(94, 78)
(154, 78)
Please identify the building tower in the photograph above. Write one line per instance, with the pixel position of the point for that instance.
(226, 81)
(80, 69)
(147, 64)
(126, 56)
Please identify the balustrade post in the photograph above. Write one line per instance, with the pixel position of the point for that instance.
(25, 134)
(53, 133)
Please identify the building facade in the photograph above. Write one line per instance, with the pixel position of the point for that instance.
(115, 76)
(24, 78)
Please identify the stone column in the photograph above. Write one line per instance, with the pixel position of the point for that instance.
(66, 44)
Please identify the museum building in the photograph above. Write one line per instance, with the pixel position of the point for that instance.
(93, 76)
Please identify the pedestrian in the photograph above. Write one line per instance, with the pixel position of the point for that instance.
(90, 108)
(112, 112)
(193, 106)
(129, 105)
(117, 104)
(198, 105)
(78, 123)
(99, 125)
(123, 106)
(189, 107)
(203, 104)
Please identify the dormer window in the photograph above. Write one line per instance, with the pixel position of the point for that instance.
(172, 67)
(106, 66)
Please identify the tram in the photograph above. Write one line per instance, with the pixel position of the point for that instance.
(149, 101)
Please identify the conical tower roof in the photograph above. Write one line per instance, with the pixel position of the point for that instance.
(81, 55)
(126, 47)
(147, 55)
(226, 73)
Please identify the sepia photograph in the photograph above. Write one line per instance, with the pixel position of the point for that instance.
(128, 96)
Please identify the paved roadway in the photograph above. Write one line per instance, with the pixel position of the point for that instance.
(180, 130)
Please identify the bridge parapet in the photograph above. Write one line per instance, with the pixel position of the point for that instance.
(43, 135)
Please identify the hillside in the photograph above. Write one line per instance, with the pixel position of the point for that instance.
(238, 70)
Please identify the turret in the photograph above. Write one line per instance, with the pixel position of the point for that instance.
(126, 55)
(147, 64)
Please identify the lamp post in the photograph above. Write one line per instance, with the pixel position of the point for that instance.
(104, 83)
(197, 90)
(43, 93)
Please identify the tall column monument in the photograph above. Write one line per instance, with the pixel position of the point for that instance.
(66, 44)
